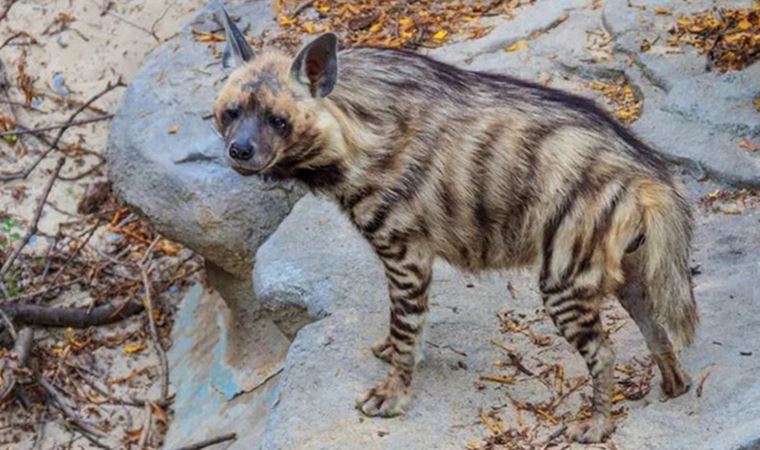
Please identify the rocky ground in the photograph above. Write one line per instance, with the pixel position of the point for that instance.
(280, 370)
(55, 56)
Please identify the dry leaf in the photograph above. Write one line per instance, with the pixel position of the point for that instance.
(517, 46)
(748, 145)
(504, 379)
(134, 347)
(173, 129)
(662, 11)
(441, 35)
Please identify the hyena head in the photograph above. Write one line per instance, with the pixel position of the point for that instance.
(270, 111)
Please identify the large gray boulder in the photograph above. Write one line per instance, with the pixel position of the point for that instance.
(167, 163)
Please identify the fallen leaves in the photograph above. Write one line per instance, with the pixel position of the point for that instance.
(620, 94)
(517, 46)
(731, 202)
(393, 23)
(729, 37)
(748, 145)
(135, 347)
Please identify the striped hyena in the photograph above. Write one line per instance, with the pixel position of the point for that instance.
(485, 171)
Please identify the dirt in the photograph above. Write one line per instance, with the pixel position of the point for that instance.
(58, 55)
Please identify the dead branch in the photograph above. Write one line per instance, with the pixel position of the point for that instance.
(33, 228)
(71, 317)
(75, 123)
(210, 442)
(22, 348)
(164, 363)
(54, 145)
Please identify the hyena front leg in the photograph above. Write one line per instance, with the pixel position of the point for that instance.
(575, 311)
(408, 268)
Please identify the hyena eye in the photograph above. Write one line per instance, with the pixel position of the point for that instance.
(229, 115)
(278, 123)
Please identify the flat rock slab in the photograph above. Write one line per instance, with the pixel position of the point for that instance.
(329, 362)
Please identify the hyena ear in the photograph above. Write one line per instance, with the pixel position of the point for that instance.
(237, 51)
(316, 66)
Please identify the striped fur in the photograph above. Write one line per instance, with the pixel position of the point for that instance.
(489, 173)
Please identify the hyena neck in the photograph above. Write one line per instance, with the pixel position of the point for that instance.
(351, 146)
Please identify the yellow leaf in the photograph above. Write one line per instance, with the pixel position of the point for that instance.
(473, 445)
(134, 347)
(441, 35)
(517, 46)
(618, 397)
(308, 27)
(405, 22)
(744, 25)
(323, 9)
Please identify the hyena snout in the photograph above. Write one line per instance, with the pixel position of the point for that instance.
(241, 150)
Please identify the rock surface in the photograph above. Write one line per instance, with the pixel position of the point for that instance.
(323, 289)
(166, 160)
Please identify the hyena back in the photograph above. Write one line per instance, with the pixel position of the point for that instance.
(484, 171)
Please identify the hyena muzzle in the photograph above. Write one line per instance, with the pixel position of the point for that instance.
(485, 171)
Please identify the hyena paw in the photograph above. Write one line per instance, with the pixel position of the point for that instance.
(675, 385)
(387, 399)
(383, 349)
(592, 430)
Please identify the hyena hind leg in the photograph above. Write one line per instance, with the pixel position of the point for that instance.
(575, 311)
(632, 295)
(383, 348)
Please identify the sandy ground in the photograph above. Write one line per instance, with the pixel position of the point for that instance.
(69, 63)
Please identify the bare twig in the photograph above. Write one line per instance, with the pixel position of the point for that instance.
(32, 295)
(33, 228)
(54, 145)
(160, 18)
(7, 9)
(20, 104)
(75, 252)
(145, 428)
(71, 317)
(9, 325)
(73, 123)
(557, 433)
(68, 412)
(209, 442)
(301, 8)
(164, 364)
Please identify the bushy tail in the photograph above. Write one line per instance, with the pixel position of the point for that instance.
(667, 227)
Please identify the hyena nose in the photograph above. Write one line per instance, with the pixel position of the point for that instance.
(241, 152)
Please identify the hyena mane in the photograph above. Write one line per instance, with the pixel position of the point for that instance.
(485, 171)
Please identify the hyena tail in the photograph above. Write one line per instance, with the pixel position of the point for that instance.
(667, 222)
